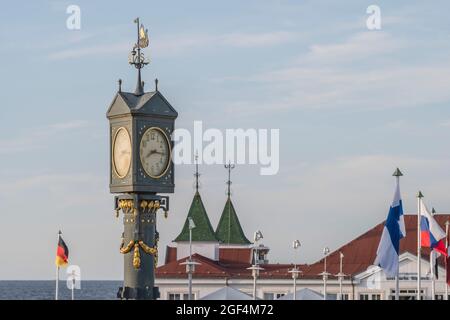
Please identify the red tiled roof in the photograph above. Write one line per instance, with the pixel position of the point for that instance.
(359, 254)
(215, 269)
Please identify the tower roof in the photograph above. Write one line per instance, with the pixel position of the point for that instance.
(203, 230)
(229, 230)
(149, 102)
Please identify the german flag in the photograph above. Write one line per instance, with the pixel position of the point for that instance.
(62, 253)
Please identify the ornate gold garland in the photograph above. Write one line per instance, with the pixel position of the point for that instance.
(136, 254)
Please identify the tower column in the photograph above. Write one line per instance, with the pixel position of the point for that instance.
(139, 244)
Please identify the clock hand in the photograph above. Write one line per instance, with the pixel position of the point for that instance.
(152, 152)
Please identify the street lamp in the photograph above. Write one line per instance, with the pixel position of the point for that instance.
(255, 268)
(325, 274)
(295, 271)
(341, 274)
(190, 265)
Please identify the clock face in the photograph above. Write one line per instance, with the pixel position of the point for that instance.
(121, 153)
(155, 152)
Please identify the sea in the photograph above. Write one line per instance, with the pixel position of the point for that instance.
(45, 290)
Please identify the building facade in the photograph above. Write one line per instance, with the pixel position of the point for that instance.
(225, 254)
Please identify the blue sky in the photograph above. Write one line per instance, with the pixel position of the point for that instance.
(351, 105)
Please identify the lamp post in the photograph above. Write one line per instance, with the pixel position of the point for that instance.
(295, 271)
(325, 274)
(255, 267)
(341, 274)
(190, 265)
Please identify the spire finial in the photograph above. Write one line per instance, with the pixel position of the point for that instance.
(156, 84)
(397, 173)
(196, 174)
(120, 85)
(419, 194)
(229, 167)
(137, 58)
(433, 211)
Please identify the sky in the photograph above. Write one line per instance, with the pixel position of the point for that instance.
(351, 105)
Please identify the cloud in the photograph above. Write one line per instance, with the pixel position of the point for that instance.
(181, 43)
(92, 50)
(355, 74)
(445, 123)
(248, 40)
(359, 46)
(34, 138)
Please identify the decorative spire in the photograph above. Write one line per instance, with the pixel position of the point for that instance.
(229, 167)
(137, 58)
(120, 85)
(196, 174)
(397, 173)
(419, 194)
(156, 84)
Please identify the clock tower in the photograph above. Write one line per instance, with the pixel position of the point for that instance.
(140, 125)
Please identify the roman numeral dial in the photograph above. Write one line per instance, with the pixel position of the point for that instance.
(155, 152)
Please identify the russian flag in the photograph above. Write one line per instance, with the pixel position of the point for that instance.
(394, 230)
(431, 234)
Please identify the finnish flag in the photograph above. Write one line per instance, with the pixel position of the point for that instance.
(393, 231)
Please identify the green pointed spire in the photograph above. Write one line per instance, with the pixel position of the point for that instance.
(229, 230)
(203, 230)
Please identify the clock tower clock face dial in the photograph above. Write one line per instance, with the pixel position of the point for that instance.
(121, 153)
(155, 152)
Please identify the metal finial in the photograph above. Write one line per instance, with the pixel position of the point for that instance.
(397, 173)
(120, 85)
(229, 167)
(419, 194)
(196, 174)
(433, 211)
(137, 58)
(156, 84)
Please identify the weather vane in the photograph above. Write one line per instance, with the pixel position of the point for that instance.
(137, 58)
(196, 174)
(229, 167)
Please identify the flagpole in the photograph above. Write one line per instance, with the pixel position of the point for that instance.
(397, 174)
(397, 282)
(446, 264)
(57, 272)
(419, 257)
(433, 283)
(341, 274)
